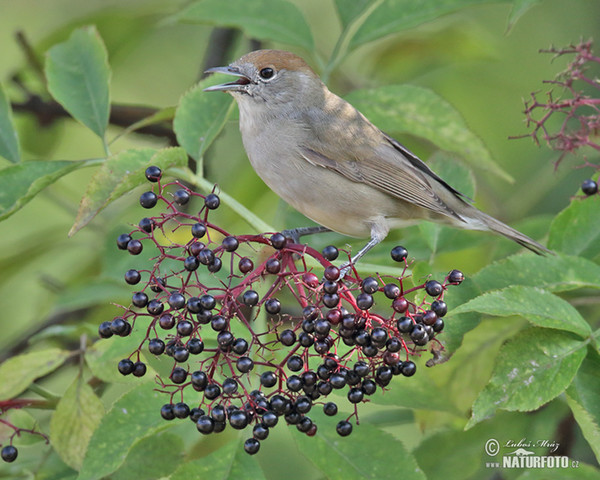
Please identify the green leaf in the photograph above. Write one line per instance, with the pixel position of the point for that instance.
(580, 471)
(349, 10)
(77, 415)
(20, 183)
(228, 462)
(583, 397)
(518, 9)
(120, 174)
(274, 20)
(534, 304)
(367, 453)
(394, 16)
(421, 112)
(200, 117)
(164, 115)
(9, 141)
(78, 78)
(136, 415)
(152, 458)
(531, 369)
(576, 230)
(556, 273)
(17, 373)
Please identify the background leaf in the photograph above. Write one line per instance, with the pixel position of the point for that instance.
(576, 230)
(534, 304)
(531, 369)
(78, 78)
(20, 183)
(17, 373)
(421, 112)
(119, 175)
(276, 20)
(200, 117)
(349, 10)
(77, 415)
(9, 141)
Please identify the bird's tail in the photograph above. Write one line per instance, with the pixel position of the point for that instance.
(482, 221)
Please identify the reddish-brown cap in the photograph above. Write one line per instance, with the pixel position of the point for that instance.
(277, 60)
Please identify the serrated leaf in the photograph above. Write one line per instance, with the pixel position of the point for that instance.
(275, 20)
(556, 273)
(367, 453)
(17, 373)
(9, 140)
(576, 230)
(136, 415)
(421, 112)
(119, 175)
(583, 397)
(394, 16)
(152, 458)
(78, 78)
(531, 369)
(77, 415)
(230, 462)
(20, 183)
(538, 306)
(200, 117)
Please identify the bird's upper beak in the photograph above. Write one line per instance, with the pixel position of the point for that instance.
(237, 86)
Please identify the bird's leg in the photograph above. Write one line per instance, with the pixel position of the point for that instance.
(379, 231)
(296, 233)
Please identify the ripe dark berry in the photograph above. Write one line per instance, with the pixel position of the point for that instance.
(148, 199)
(123, 240)
(195, 414)
(369, 386)
(166, 411)
(104, 330)
(310, 280)
(155, 307)
(268, 379)
(418, 332)
(330, 409)
(245, 265)
(304, 425)
(9, 453)
(120, 326)
(146, 224)
(178, 375)
(125, 366)
(369, 285)
(195, 346)
(225, 339)
(404, 324)
(156, 346)
(212, 201)
(330, 253)
(239, 346)
(153, 173)
(139, 369)
(199, 380)
(302, 404)
(218, 323)
(207, 302)
(306, 339)
(391, 290)
(589, 187)
(344, 428)
(273, 266)
(400, 305)
(287, 338)
(429, 317)
(230, 244)
(295, 363)
(198, 230)
(218, 413)
(408, 369)
(273, 306)
(181, 410)
(332, 273)
(238, 420)
(393, 345)
(278, 241)
(176, 301)
(433, 288)
(270, 419)
(166, 321)
(294, 383)
(364, 301)
(212, 391)
(244, 364)
(135, 247)
(181, 354)
(438, 326)
(181, 197)
(215, 266)
(206, 256)
(439, 307)
(205, 424)
(331, 300)
(191, 263)
(361, 368)
(379, 336)
(251, 446)
(355, 395)
(260, 431)
(455, 277)
(330, 287)
(132, 277)
(158, 285)
(250, 298)
(399, 253)
(337, 380)
(139, 299)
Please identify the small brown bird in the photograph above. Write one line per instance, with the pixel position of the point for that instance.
(323, 157)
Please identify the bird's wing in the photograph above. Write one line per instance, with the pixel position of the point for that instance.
(393, 170)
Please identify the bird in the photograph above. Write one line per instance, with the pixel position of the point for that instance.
(328, 161)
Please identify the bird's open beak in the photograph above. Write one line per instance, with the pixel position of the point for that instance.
(237, 86)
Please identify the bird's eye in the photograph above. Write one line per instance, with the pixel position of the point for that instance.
(266, 73)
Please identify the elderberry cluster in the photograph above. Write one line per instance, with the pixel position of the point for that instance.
(265, 329)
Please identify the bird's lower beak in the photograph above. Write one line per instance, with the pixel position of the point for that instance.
(237, 86)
